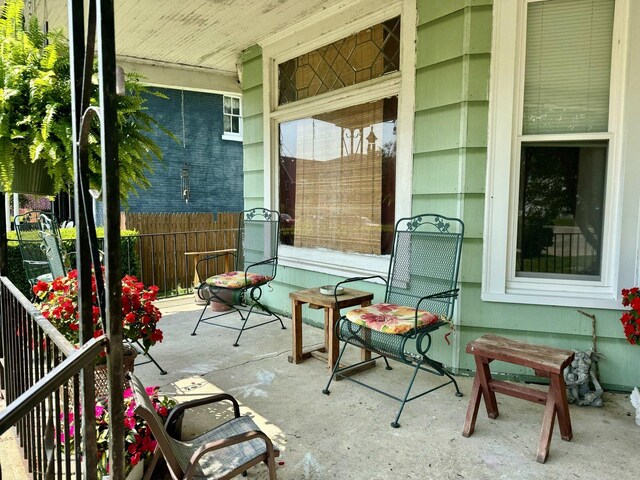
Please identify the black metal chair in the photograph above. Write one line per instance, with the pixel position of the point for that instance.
(421, 290)
(256, 264)
(58, 259)
(34, 258)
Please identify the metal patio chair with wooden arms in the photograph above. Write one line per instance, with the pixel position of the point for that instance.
(421, 290)
(224, 452)
(256, 264)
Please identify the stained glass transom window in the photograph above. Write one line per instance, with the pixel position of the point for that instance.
(366, 55)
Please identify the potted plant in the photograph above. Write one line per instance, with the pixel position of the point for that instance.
(58, 302)
(35, 115)
(139, 442)
(631, 323)
(631, 319)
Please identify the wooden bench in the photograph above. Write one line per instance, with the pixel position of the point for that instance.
(546, 362)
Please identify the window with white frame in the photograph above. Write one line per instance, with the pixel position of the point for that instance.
(334, 118)
(232, 118)
(551, 196)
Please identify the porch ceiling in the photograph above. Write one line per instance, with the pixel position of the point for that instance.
(206, 35)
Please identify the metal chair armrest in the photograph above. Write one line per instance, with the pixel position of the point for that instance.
(179, 410)
(263, 262)
(445, 294)
(357, 279)
(212, 257)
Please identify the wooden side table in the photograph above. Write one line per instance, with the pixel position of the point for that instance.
(317, 300)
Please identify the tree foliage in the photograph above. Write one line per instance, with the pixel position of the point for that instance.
(35, 110)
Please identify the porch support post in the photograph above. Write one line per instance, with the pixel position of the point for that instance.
(111, 196)
(3, 235)
(83, 257)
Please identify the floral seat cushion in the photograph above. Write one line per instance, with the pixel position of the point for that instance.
(391, 318)
(237, 280)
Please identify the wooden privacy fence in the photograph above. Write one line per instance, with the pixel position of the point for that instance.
(165, 238)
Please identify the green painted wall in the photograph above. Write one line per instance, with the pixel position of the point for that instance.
(451, 114)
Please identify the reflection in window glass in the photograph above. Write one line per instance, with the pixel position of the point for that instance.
(560, 212)
(337, 179)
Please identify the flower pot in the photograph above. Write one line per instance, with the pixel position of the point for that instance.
(137, 472)
(31, 178)
(232, 297)
(101, 376)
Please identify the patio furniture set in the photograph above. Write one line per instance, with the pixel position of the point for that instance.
(420, 294)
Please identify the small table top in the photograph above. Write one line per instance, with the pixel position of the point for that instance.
(211, 252)
(349, 298)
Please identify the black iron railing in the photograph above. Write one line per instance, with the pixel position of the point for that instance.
(33, 352)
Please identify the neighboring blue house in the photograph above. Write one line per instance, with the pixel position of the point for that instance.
(211, 146)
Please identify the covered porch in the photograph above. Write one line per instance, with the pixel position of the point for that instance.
(347, 435)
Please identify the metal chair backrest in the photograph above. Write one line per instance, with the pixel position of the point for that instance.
(425, 260)
(53, 251)
(258, 238)
(145, 409)
(34, 258)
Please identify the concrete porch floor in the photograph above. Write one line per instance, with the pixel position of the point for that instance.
(347, 435)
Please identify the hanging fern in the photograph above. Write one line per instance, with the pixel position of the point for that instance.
(35, 110)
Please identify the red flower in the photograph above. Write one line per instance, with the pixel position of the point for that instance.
(631, 319)
(156, 335)
(58, 302)
(40, 287)
(130, 423)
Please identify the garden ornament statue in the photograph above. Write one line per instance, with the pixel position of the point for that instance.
(583, 387)
(635, 401)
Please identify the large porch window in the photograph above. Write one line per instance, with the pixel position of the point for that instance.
(337, 178)
(341, 131)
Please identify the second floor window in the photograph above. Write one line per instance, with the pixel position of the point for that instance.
(232, 114)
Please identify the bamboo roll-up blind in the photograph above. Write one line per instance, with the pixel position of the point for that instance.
(338, 199)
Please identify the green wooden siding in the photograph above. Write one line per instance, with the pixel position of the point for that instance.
(450, 156)
(452, 74)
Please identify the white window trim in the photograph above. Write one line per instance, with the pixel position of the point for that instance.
(323, 29)
(236, 137)
(499, 282)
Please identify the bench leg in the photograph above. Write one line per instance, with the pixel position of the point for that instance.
(562, 407)
(472, 409)
(547, 426)
(482, 371)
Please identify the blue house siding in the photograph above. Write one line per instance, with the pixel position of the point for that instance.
(215, 165)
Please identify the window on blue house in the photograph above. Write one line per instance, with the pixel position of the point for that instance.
(232, 118)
